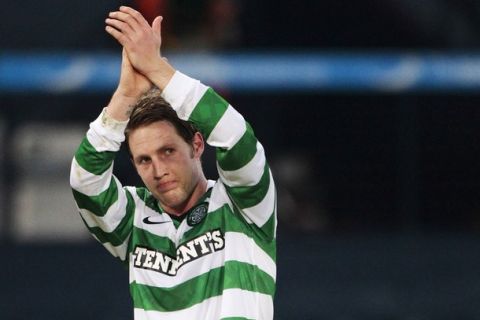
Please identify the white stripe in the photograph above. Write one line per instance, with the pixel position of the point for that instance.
(105, 134)
(229, 129)
(256, 256)
(219, 197)
(261, 212)
(112, 217)
(117, 251)
(183, 94)
(167, 230)
(232, 303)
(238, 247)
(248, 175)
(194, 97)
(88, 183)
(250, 305)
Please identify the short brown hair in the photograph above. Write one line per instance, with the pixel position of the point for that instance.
(150, 108)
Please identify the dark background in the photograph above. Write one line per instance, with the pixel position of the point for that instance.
(381, 217)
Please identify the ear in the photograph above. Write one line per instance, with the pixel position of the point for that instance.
(198, 145)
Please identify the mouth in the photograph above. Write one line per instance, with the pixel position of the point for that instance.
(166, 186)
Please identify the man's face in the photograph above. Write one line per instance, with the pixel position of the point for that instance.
(169, 167)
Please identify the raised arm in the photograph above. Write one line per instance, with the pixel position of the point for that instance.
(131, 86)
(241, 159)
(104, 204)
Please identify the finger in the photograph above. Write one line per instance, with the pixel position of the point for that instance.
(120, 37)
(119, 25)
(157, 27)
(134, 13)
(126, 18)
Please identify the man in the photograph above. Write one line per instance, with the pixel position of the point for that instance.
(196, 249)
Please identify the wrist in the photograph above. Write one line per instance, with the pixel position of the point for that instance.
(120, 106)
(121, 97)
(161, 75)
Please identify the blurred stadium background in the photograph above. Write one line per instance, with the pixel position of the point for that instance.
(368, 111)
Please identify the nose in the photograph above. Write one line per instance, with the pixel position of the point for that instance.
(159, 169)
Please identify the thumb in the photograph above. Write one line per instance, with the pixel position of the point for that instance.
(157, 26)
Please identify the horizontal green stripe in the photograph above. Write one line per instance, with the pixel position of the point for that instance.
(211, 284)
(91, 160)
(268, 229)
(99, 204)
(208, 112)
(240, 154)
(145, 238)
(122, 231)
(149, 200)
(264, 237)
(249, 196)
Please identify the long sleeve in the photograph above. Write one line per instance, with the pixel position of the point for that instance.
(105, 206)
(241, 160)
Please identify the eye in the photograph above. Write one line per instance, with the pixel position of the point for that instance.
(143, 160)
(169, 151)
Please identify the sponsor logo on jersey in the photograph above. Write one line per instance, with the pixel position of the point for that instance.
(207, 243)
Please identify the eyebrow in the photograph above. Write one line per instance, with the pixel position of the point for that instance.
(161, 149)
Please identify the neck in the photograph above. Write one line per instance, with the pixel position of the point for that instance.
(197, 193)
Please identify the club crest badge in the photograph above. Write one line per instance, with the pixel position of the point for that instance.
(197, 215)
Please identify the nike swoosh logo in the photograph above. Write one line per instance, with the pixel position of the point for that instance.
(147, 220)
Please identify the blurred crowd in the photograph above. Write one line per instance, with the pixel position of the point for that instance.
(196, 25)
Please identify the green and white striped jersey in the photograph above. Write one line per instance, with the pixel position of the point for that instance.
(217, 263)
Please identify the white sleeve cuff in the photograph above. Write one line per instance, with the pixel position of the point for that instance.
(106, 133)
(177, 90)
(183, 93)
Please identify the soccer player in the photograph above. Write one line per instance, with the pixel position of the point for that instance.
(196, 248)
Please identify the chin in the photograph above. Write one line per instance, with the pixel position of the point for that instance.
(172, 200)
